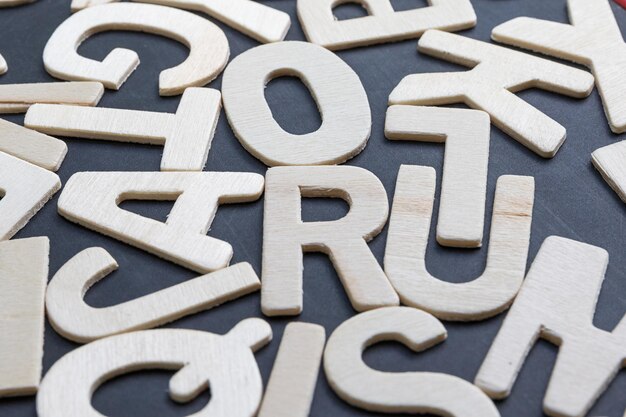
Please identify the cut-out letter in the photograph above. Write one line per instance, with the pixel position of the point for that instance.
(497, 74)
(256, 20)
(466, 134)
(186, 135)
(208, 46)
(74, 319)
(406, 392)
(225, 362)
(557, 303)
(91, 199)
(383, 24)
(23, 279)
(610, 161)
(593, 39)
(405, 255)
(24, 189)
(292, 383)
(17, 98)
(36, 148)
(336, 88)
(286, 236)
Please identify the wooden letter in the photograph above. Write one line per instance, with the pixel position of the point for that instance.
(225, 362)
(74, 319)
(557, 303)
(337, 89)
(610, 161)
(405, 255)
(291, 386)
(24, 189)
(36, 148)
(593, 39)
(91, 199)
(286, 236)
(490, 86)
(383, 23)
(207, 44)
(17, 98)
(406, 392)
(256, 20)
(466, 134)
(23, 278)
(186, 135)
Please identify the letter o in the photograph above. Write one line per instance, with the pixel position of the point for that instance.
(335, 87)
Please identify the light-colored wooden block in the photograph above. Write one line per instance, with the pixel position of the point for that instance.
(226, 363)
(91, 199)
(383, 24)
(36, 148)
(290, 390)
(593, 39)
(557, 303)
(260, 22)
(466, 134)
(186, 135)
(497, 74)
(17, 98)
(25, 189)
(404, 392)
(405, 255)
(286, 236)
(23, 279)
(335, 87)
(610, 161)
(76, 320)
(208, 46)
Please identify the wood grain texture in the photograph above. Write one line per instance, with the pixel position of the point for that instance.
(186, 135)
(24, 189)
(383, 23)
(76, 320)
(286, 236)
(23, 279)
(404, 392)
(335, 87)
(36, 148)
(208, 46)
(17, 98)
(610, 161)
(225, 362)
(497, 74)
(405, 254)
(557, 303)
(291, 386)
(254, 19)
(593, 39)
(466, 134)
(91, 199)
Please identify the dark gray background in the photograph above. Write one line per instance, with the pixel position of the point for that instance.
(571, 201)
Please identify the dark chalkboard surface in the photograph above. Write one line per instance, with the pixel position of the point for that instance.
(571, 201)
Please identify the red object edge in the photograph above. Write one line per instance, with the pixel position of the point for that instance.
(621, 3)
